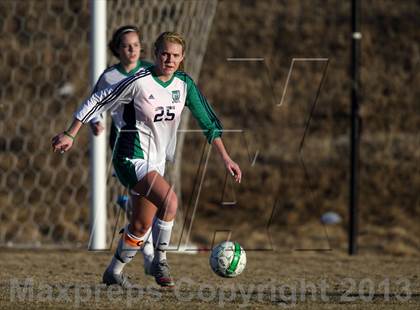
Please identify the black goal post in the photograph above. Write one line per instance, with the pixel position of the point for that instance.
(355, 127)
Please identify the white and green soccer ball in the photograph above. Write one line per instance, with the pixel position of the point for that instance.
(228, 259)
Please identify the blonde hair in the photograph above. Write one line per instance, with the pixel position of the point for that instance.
(173, 37)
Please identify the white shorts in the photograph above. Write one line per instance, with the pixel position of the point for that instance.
(131, 171)
(143, 167)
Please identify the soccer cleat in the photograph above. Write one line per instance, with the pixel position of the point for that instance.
(110, 278)
(160, 270)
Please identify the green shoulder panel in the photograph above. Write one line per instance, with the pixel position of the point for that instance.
(201, 109)
(145, 64)
(140, 64)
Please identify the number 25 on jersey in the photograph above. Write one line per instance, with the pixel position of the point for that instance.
(161, 115)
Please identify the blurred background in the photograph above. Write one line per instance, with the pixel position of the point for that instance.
(287, 186)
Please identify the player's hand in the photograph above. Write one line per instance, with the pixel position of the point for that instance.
(233, 169)
(97, 128)
(61, 143)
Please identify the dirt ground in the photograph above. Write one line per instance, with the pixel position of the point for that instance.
(51, 279)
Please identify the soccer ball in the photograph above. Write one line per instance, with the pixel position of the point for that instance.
(228, 259)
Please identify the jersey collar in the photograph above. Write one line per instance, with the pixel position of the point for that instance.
(160, 82)
(131, 72)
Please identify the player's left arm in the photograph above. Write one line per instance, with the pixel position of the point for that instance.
(231, 166)
(211, 126)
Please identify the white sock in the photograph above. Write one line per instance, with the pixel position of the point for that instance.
(161, 237)
(127, 248)
(147, 249)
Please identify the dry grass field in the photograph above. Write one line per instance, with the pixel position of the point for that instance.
(65, 279)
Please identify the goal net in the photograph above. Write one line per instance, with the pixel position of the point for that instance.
(44, 197)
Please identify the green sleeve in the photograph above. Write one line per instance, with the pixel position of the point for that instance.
(202, 112)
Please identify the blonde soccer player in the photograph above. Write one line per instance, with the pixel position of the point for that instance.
(153, 100)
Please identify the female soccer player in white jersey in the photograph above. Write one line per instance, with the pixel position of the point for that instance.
(125, 46)
(153, 100)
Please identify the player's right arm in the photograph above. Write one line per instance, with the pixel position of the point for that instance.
(96, 124)
(121, 93)
(63, 141)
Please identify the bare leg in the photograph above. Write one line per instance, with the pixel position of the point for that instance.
(155, 188)
(133, 238)
(143, 212)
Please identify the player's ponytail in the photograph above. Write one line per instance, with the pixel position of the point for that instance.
(173, 37)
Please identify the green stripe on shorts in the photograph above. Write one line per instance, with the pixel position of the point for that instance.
(125, 171)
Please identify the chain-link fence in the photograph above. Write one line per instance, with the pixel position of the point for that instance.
(44, 197)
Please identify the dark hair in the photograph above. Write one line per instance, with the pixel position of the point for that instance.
(115, 42)
(173, 37)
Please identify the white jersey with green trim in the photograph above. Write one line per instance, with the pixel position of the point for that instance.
(112, 76)
(151, 113)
